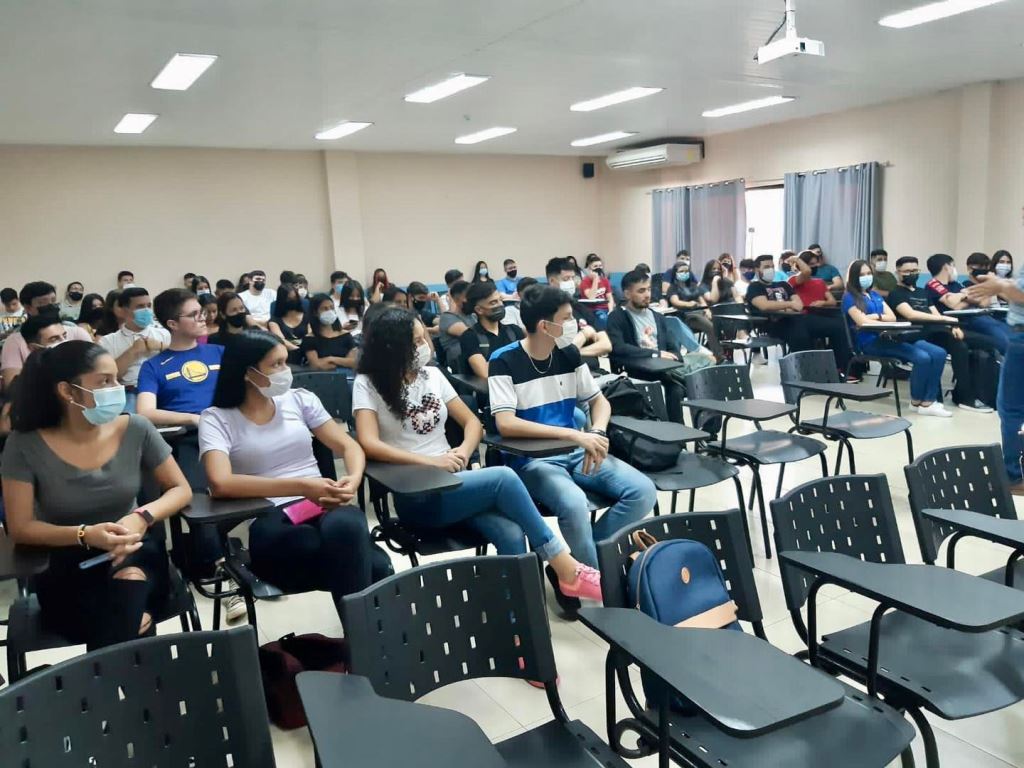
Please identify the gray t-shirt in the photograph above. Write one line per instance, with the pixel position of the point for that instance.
(449, 343)
(646, 328)
(67, 495)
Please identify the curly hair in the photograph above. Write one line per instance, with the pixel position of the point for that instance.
(387, 355)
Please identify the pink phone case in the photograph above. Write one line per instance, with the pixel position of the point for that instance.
(301, 511)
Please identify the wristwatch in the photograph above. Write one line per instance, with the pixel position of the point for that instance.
(146, 515)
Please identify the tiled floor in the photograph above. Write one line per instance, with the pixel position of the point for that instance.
(505, 707)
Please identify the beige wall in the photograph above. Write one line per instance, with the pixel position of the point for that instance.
(1004, 222)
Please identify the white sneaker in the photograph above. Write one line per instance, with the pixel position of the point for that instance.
(234, 606)
(935, 409)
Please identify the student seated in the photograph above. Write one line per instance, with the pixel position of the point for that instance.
(455, 322)
(488, 334)
(289, 322)
(257, 297)
(451, 277)
(351, 308)
(885, 281)
(1002, 264)
(419, 299)
(43, 332)
(12, 314)
(912, 303)
(137, 340)
(715, 287)
(596, 287)
(71, 307)
(233, 318)
(395, 296)
(978, 264)
(685, 293)
(748, 274)
(507, 286)
(766, 294)
(92, 316)
(833, 277)
(535, 386)
(208, 303)
(379, 283)
(401, 406)
(223, 286)
(669, 278)
(328, 347)
(863, 308)
(338, 280)
(255, 408)
(946, 293)
(72, 469)
(591, 342)
(814, 292)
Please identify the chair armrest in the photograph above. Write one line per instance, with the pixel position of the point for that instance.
(748, 410)
(342, 710)
(845, 391)
(996, 529)
(205, 510)
(732, 677)
(659, 431)
(411, 479)
(20, 562)
(535, 448)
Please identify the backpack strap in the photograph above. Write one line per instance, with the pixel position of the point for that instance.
(713, 618)
(642, 540)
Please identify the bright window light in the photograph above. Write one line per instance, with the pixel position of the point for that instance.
(602, 138)
(490, 133)
(346, 128)
(182, 70)
(747, 106)
(614, 98)
(134, 123)
(932, 12)
(445, 88)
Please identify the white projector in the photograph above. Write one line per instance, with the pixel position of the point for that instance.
(789, 46)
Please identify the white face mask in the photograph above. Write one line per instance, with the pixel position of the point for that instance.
(768, 274)
(881, 265)
(302, 293)
(330, 317)
(953, 274)
(280, 382)
(569, 330)
(422, 357)
(1003, 269)
(568, 286)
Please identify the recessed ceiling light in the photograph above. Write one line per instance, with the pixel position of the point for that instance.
(747, 106)
(602, 138)
(182, 70)
(932, 12)
(629, 94)
(134, 123)
(490, 133)
(445, 88)
(345, 128)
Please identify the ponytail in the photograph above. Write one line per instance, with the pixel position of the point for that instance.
(34, 401)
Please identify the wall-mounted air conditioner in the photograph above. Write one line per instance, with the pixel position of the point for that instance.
(656, 156)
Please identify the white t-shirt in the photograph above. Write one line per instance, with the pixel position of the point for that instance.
(258, 304)
(280, 448)
(118, 342)
(421, 428)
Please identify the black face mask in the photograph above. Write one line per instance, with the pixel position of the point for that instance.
(50, 310)
(512, 273)
(93, 316)
(206, 296)
(979, 272)
(238, 321)
(910, 280)
(76, 295)
(259, 285)
(418, 304)
(291, 306)
(496, 315)
(814, 271)
(599, 271)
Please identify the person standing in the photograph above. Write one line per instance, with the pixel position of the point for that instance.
(258, 298)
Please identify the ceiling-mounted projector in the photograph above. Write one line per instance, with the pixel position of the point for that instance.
(790, 45)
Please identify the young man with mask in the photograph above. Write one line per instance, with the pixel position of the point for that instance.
(535, 387)
(258, 298)
(419, 299)
(591, 342)
(913, 304)
(596, 287)
(885, 281)
(138, 339)
(946, 293)
(338, 280)
(488, 334)
(507, 284)
(826, 272)
(43, 332)
(766, 294)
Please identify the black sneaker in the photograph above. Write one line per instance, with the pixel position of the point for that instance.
(569, 605)
(977, 406)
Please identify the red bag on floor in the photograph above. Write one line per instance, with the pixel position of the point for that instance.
(283, 660)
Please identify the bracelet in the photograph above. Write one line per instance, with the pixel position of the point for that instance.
(81, 537)
(596, 431)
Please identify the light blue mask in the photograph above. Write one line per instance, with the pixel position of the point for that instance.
(866, 281)
(109, 404)
(682, 277)
(143, 317)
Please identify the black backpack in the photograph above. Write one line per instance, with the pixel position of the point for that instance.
(643, 453)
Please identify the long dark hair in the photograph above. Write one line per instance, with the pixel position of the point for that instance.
(222, 304)
(86, 309)
(345, 298)
(998, 255)
(201, 279)
(314, 316)
(708, 276)
(245, 351)
(108, 324)
(853, 282)
(476, 273)
(285, 292)
(35, 403)
(387, 356)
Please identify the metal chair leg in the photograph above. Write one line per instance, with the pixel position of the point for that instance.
(746, 524)
(657, 511)
(675, 496)
(764, 513)
(849, 453)
(778, 486)
(750, 504)
(910, 446)
(693, 498)
(839, 458)
(931, 750)
(824, 465)
(217, 585)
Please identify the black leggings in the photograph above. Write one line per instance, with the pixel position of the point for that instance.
(93, 607)
(698, 322)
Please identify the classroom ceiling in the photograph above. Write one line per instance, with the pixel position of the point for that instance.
(69, 69)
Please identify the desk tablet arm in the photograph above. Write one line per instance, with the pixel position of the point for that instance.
(1005, 531)
(224, 513)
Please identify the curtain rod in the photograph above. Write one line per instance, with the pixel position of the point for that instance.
(697, 186)
(841, 168)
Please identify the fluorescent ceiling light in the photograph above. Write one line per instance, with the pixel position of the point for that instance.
(134, 123)
(614, 98)
(602, 138)
(445, 88)
(345, 128)
(932, 12)
(746, 106)
(182, 70)
(490, 133)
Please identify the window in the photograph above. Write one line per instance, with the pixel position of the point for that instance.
(766, 219)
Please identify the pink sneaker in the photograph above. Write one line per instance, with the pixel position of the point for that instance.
(587, 584)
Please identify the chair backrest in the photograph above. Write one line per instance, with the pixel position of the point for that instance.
(190, 699)
(331, 387)
(655, 397)
(721, 532)
(719, 382)
(817, 365)
(960, 477)
(849, 514)
(461, 619)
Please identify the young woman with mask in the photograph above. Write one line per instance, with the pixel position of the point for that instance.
(328, 347)
(208, 303)
(289, 322)
(577, 272)
(200, 286)
(1002, 263)
(715, 287)
(316, 540)
(91, 314)
(729, 270)
(234, 318)
(72, 468)
(481, 273)
(378, 284)
(71, 307)
(351, 306)
(401, 407)
(686, 292)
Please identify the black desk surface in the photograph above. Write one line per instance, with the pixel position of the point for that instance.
(353, 727)
(742, 318)
(856, 392)
(659, 431)
(205, 510)
(411, 479)
(733, 677)
(943, 596)
(19, 562)
(652, 365)
(473, 382)
(537, 448)
(751, 410)
(998, 529)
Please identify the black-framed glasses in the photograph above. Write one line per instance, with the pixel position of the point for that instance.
(193, 316)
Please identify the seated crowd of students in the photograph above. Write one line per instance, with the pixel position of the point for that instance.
(88, 381)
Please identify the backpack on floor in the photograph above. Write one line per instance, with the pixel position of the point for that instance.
(282, 661)
(643, 453)
(987, 367)
(678, 583)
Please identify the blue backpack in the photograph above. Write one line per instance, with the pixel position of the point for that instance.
(678, 583)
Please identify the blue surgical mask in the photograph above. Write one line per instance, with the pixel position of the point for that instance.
(143, 317)
(866, 281)
(109, 404)
(484, 272)
(682, 277)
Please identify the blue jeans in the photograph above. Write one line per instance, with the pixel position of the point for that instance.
(601, 316)
(559, 484)
(927, 360)
(996, 330)
(680, 335)
(1010, 404)
(494, 502)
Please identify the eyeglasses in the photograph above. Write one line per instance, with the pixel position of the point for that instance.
(193, 316)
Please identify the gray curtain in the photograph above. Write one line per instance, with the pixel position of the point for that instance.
(707, 220)
(841, 209)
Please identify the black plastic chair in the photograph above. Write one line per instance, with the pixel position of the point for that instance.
(844, 425)
(912, 662)
(728, 328)
(862, 732)
(192, 699)
(331, 387)
(464, 620)
(891, 369)
(967, 477)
